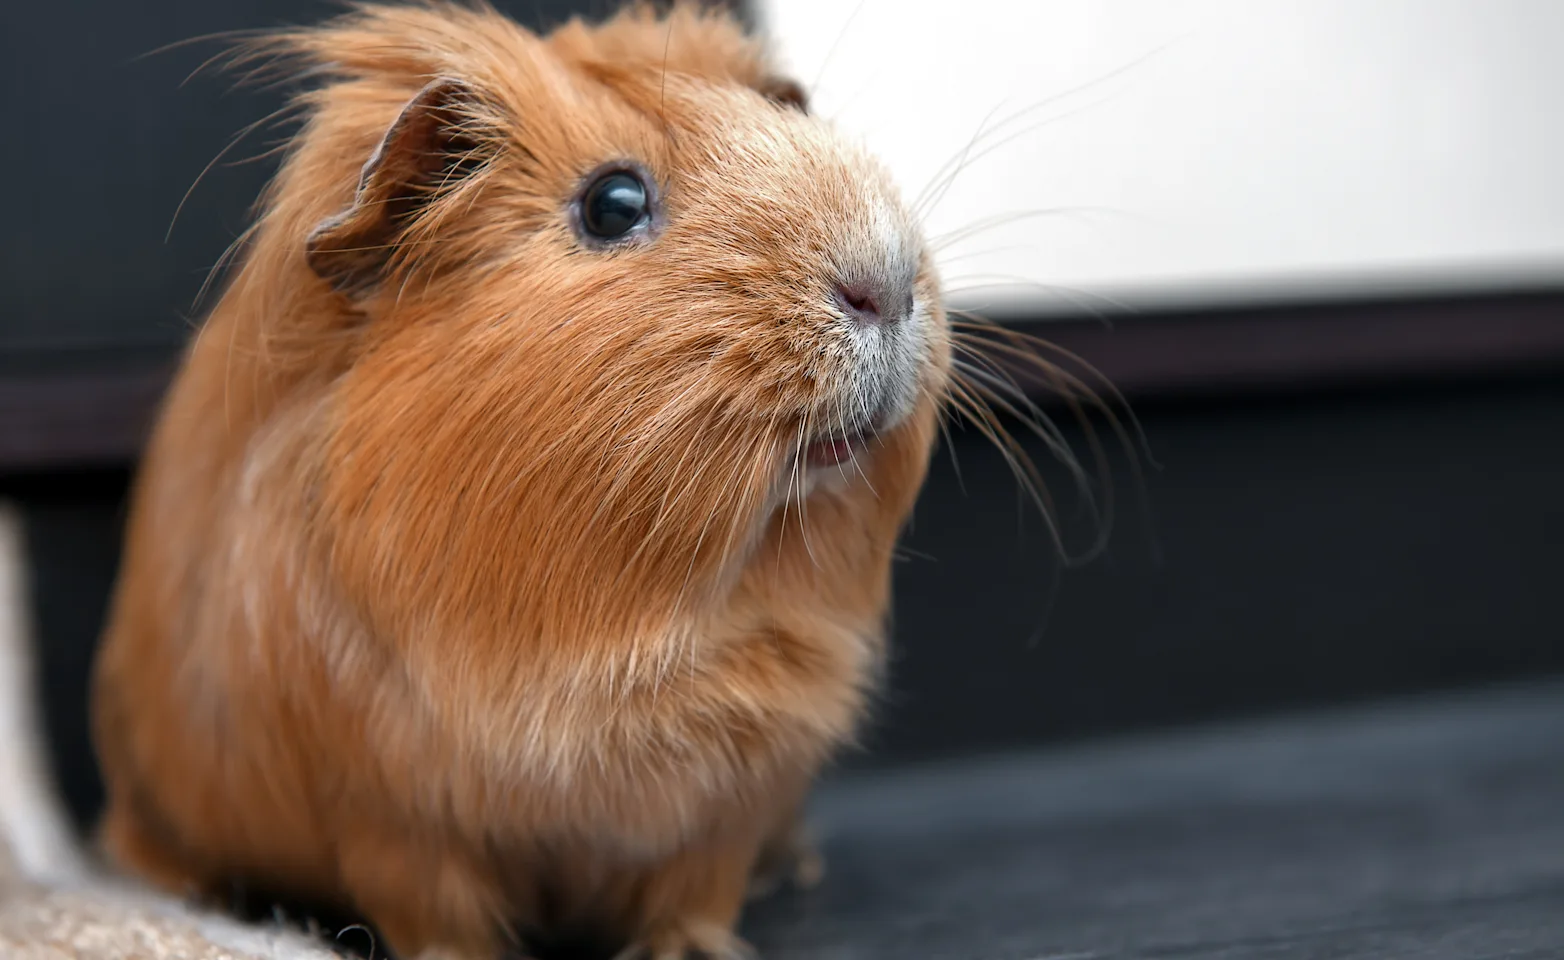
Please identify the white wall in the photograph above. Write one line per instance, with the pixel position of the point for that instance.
(1226, 147)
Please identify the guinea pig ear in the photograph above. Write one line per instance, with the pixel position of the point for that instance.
(425, 152)
(788, 93)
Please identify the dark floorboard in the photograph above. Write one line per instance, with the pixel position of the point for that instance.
(1428, 830)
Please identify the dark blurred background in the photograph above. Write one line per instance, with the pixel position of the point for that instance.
(1352, 496)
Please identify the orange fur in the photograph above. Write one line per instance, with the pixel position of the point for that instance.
(489, 596)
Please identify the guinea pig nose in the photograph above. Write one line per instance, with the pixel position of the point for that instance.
(870, 305)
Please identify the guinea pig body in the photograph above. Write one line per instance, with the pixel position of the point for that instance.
(514, 544)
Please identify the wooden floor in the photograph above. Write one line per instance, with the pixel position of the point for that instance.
(1429, 830)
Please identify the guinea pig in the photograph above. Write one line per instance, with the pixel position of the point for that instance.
(514, 544)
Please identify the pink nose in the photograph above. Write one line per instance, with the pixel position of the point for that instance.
(858, 302)
(870, 306)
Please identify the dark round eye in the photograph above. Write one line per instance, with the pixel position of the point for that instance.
(614, 205)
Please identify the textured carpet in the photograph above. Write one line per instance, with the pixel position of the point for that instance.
(52, 905)
(100, 922)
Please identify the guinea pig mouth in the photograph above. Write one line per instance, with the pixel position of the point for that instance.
(840, 446)
(834, 451)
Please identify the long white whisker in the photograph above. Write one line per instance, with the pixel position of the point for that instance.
(1080, 298)
(950, 238)
(803, 499)
(964, 156)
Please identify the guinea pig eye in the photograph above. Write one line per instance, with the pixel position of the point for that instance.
(615, 205)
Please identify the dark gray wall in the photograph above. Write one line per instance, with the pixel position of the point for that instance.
(102, 138)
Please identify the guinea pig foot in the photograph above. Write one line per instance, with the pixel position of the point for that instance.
(704, 942)
(795, 862)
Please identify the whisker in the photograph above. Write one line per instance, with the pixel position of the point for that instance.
(787, 496)
(981, 416)
(945, 260)
(662, 94)
(941, 241)
(1101, 518)
(803, 500)
(1022, 346)
(943, 422)
(830, 53)
(994, 381)
(862, 473)
(947, 170)
(984, 343)
(903, 552)
(988, 149)
(1025, 351)
(1089, 301)
(964, 157)
(1003, 391)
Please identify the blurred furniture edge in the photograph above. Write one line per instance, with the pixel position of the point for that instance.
(64, 411)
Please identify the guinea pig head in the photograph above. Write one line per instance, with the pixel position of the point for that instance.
(616, 307)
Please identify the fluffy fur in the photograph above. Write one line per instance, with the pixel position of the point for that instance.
(477, 579)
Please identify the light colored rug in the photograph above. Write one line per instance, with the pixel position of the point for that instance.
(54, 905)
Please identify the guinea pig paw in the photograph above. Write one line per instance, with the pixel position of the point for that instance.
(695, 942)
(798, 863)
(808, 866)
(765, 884)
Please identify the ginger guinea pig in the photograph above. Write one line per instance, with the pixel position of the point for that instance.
(515, 542)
